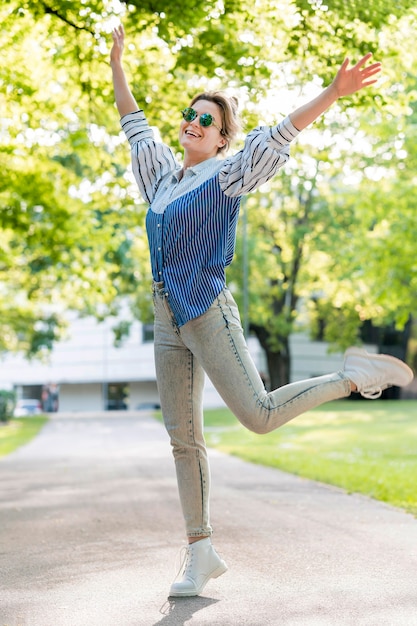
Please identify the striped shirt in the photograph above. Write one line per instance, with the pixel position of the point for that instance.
(191, 221)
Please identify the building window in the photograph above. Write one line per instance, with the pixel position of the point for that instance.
(117, 397)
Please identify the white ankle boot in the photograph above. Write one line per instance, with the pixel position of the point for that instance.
(201, 563)
(372, 373)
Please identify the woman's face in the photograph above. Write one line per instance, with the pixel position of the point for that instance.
(202, 140)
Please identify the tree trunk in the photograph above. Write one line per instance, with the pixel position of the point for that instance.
(279, 368)
(278, 362)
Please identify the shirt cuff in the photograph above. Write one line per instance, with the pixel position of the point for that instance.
(139, 114)
(136, 127)
(285, 131)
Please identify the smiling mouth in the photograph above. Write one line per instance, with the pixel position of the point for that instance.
(192, 133)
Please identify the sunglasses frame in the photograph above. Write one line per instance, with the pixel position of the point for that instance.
(189, 115)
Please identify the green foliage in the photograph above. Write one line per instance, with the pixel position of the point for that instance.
(7, 404)
(71, 222)
(331, 238)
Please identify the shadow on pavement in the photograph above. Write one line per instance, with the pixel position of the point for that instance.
(178, 611)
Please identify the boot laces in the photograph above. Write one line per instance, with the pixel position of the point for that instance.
(371, 394)
(185, 558)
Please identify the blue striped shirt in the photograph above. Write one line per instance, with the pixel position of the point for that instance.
(191, 221)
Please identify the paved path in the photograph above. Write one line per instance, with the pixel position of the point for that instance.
(90, 530)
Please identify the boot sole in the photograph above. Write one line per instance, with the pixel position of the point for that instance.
(361, 352)
(221, 569)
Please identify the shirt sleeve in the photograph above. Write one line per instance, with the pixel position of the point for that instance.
(151, 159)
(266, 149)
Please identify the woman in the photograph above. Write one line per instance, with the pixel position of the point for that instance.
(191, 226)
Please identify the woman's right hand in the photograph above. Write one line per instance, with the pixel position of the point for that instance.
(116, 52)
(125, 101)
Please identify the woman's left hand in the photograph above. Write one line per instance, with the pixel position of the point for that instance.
(349, 80)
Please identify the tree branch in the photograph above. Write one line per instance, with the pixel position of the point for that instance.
(49, 10)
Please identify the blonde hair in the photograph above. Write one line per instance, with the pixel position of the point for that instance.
(229, 111)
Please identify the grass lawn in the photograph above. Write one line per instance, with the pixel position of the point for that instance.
(367, 447)
(18, 431)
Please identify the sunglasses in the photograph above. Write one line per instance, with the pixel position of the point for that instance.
(206, 119)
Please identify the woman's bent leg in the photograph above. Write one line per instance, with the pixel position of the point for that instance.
(180, 384)
(216, 338)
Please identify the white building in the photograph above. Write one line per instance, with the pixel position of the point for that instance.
(90, 374)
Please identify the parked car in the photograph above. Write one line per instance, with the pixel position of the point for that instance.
(27, 406)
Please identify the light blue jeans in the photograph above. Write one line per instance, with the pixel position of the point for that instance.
(214, 343)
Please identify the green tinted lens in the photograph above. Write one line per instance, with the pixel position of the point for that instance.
(206, 119)
(189, 114)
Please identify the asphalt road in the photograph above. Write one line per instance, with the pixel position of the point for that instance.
(91, 530)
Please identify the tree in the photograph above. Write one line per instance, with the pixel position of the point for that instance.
(71, 222)
(331, 235)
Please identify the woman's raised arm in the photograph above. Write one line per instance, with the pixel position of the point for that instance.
(346, 82)
(125, 101)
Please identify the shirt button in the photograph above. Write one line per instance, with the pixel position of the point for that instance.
(159, 225)
(159, 249)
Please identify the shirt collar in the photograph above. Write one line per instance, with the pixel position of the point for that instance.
(194, 170)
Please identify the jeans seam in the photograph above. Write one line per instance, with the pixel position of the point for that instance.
(235, 350)
(192, 441)
(305, 392)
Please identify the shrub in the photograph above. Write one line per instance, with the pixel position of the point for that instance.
(7, 404)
